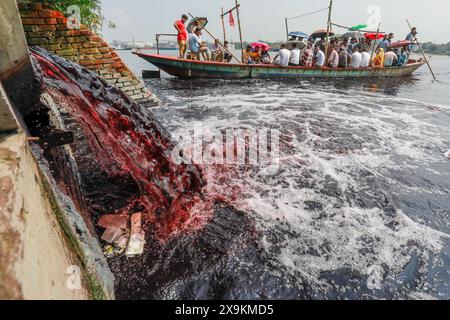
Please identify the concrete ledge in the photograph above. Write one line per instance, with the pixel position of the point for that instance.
(86, 246)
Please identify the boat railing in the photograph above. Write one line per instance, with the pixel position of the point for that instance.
(159, 35)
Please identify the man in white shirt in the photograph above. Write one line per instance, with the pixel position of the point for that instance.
(365, 58)
(390, 58)
(319, 57)
(283, 57)
(295, 56)
(356, 58)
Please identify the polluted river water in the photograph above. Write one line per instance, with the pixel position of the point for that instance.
(357, 205)
(360, 205)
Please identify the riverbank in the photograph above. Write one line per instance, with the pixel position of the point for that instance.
(436, 49)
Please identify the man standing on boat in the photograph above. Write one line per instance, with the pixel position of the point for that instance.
(412, 37)
(180, 26)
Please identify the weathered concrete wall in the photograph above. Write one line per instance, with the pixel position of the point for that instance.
(8, 121)
(11, 34)
(35, 260)
(13, 55)
(48, 29)
(15, 68)
(46, 251)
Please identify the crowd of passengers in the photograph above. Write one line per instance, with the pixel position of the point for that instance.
(345, 53)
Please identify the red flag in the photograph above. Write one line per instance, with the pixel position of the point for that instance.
(232, 24)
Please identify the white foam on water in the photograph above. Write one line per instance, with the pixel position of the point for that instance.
(337, 141)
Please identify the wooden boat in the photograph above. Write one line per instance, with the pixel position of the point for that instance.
(217, 70)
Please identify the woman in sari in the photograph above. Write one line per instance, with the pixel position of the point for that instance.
(378, 61)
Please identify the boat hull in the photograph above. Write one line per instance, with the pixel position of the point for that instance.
(213, 70)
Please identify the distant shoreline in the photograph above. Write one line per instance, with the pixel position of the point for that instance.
(436, 49)
(438, 54)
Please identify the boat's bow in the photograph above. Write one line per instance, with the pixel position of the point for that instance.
(196, 69)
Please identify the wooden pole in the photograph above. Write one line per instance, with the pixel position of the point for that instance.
(231, 10)
(330, 8)
(240, 31)
(287, 28)
(157, 44)
(223, 28)
(423, 52)
(374, 45)
(212, 36)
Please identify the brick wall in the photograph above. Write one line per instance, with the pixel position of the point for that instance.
(48, 29)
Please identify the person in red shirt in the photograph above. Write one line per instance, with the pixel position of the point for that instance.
(180, 26)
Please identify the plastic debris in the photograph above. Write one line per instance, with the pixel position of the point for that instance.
(112, 235)
(137, 237)
(116, 234)
(447, 154)
(113, 221)
(109, 251)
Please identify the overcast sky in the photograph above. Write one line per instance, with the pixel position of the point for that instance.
(264, 19)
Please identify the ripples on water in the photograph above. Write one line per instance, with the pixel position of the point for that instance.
(362, 194)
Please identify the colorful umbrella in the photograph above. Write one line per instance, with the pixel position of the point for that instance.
(322, 33)
(353, 34)
(358, 27)
(197, 22)
(298, 34)
(373, 36)
(401, 44)
(300, 44)
(262, 45)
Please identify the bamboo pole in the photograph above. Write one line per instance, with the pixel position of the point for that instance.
(212, 36)
(350, 29)
(157, 44)
(240, 31)
(423, 52)
(374, 45)
(330, 8)
(287, 28)
(223, 28)
(231, 10)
